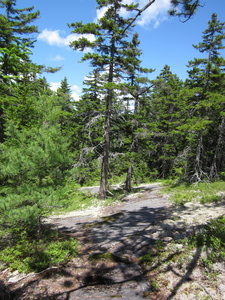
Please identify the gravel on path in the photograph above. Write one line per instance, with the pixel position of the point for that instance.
(123, 230)
(112, 239)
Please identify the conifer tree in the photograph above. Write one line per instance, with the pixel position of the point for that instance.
(165, 114)
(65, 100)
(64, 89)
(16, 29)
(34, 159)
(109, 37)
(206, 78)
(15, 44)
(138, 85)
(89, 120)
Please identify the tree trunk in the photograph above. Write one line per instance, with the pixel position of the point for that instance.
(133, 146)
(128, 179)
(109, 98)
(2, 135)
(105, 159)
(198, 172)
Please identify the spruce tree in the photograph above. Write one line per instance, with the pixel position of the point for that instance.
(165, 113)
(89, 124)
(16, 29)
(206, 78)
(65, 100)
(15, 44)
(109, 37)
(34, 159)
(137, 87)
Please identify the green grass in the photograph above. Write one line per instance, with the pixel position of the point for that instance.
(108, 256)
(71, 197)
(203, 192)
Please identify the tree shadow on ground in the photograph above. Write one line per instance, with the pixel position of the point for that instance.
(126, 236)
(187, 275)
(4, 291)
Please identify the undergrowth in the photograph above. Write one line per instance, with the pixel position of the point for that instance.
(181, 254)
(72, 197)
(212, 239)
(27, 255)
(25, 243)
(203, 192)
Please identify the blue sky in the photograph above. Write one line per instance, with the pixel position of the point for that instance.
(164, 39)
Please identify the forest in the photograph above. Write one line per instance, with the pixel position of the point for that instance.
(125, 128)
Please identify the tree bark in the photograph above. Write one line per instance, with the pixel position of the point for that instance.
(128, 179)
(105, 160)
(109, 98)
(198, 172)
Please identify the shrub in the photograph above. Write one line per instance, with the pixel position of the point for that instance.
(212, 238)
(27, 256)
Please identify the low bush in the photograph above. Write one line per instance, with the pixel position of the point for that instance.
(34, 256)
(212, 238)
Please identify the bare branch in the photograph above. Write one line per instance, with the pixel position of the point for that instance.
(140, 11)
(94, 119)
(187, 14)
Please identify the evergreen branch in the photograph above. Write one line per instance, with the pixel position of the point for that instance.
(188, 10)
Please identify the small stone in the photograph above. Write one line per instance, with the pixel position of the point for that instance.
(167, 239)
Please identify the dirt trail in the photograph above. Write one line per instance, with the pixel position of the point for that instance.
(122, 231)
(114, 237)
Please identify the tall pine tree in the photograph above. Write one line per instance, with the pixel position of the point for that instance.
(109, 37)
(15, 43)
(207, 78)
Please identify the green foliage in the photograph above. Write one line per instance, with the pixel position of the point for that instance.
(34, 161)
(70, 197)
(184, 8)
(108, 256)
(27, 205)
(37, 155)
(206, 77)
(87, 174)
(35, 256)
(210, 198)
(212, 238)
(14, 37)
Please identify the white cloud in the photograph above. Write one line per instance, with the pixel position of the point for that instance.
(54, 86)
(100, 12)
(123, 12)
(55, 38)
(52, 37)
(155, 14)
(75, 96)
(76, 92)
(75, 89)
